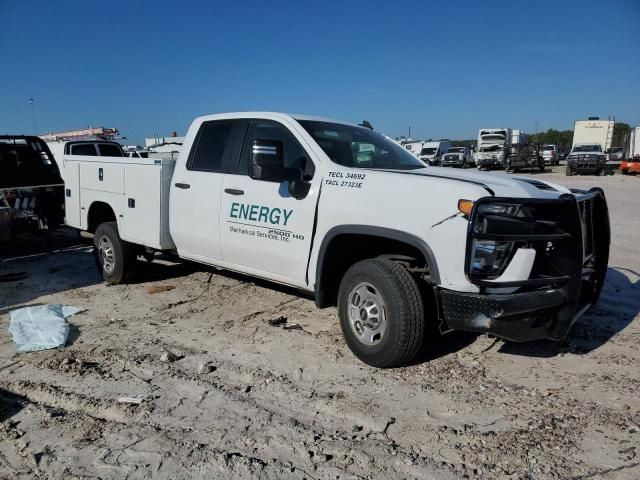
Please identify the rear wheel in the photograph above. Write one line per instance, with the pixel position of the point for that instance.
(114, 257)
(381, 313)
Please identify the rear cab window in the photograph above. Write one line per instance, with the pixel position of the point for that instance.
(110, 150)
(83, 149)
(217, 146)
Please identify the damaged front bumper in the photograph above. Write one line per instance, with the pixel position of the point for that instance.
(570, 236)
(490, 163)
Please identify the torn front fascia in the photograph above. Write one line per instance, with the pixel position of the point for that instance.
(567, 276)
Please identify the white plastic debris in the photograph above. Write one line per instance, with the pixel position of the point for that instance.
(40, 327)
(131, 400)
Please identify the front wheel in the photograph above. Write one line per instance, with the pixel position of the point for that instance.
(114, 257)
(381, 313)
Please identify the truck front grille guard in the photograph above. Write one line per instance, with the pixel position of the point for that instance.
(571, 255)
(583, 161)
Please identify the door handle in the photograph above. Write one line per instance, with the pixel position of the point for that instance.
(183, 185)
(233, 191)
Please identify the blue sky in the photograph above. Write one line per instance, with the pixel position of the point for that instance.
(443, 68)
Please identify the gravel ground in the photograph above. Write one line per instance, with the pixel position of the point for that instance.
(227, 377)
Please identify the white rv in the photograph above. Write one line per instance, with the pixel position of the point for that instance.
(432, 152)
(593, 131)
(413, 146)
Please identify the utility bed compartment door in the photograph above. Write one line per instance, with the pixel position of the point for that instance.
(145, 217)
(102, 177)
(72, 194)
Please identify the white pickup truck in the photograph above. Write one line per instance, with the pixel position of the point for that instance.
(343, 212)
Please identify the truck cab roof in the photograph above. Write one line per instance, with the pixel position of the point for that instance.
(273, 116)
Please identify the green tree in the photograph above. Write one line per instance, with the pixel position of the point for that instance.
(553, 137)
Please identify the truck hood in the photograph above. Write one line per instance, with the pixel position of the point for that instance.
(499, 185)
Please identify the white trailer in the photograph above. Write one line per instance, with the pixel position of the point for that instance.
(632, 145)
(599, 132)
(518, 137)
(413, 146)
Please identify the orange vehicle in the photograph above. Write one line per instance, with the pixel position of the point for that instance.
(630, 167)
(631, 156)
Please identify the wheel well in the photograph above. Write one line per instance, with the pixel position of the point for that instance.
(345, 249)
(99, 212)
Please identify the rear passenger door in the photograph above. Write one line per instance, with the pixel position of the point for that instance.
(196, 189)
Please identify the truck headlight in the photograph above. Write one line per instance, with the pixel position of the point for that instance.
(490, 257)
(508, 209)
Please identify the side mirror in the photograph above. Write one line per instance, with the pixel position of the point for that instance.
(299, 184)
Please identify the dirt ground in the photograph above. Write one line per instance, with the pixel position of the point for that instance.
(263, 385)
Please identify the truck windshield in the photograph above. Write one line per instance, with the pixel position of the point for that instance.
(499, 135)
(491, 148)
(428, 151)
(456, 150)
(359, 147)
(587, 148)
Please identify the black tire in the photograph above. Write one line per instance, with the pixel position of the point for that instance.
(541, 166)
(403, 312)
(123, 254)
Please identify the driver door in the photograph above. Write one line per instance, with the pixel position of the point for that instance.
(263, 228)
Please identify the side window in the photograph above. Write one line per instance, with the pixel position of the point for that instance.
(270, 130)
(212, 142)
(84, 149)
(110, 150)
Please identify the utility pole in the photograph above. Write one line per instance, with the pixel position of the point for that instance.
(409, 131)
(33, 114)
